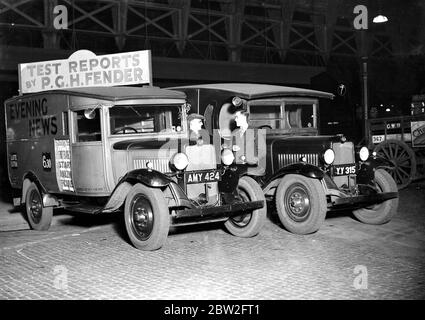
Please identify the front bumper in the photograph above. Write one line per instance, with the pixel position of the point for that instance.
(215, 213)
(360, 201)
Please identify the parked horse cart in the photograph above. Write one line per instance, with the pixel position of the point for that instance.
(401, 140)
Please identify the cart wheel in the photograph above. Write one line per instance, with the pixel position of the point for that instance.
(301, 204)
(39, 217)
(146, 217)
(249, 224)
(383, 212)
(402, 157)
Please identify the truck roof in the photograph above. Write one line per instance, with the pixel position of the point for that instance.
(254, 90)
(115, 93)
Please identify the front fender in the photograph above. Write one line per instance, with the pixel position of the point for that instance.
(379, 162)
(304, 169)
(150, 178)
(366, 173)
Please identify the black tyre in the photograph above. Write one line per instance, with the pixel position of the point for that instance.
(301, 204)
(249, 224)
(39, 217)
(146, 217)
(383, 212)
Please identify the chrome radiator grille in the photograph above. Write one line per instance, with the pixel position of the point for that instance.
(285, 159)
(161, 165)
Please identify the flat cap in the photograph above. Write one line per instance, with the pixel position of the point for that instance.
(192, 116)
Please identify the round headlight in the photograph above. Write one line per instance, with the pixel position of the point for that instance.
(364, 153)
(180, 161)
(227, 157)
(329, 156)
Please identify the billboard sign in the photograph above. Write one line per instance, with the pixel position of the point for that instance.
(85, 69)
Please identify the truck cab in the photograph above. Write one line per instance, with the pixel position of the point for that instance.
(304, 173)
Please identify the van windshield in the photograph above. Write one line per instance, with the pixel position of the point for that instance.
(136, 119)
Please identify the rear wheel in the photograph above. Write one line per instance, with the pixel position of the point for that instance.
(249, 224)
(383, 212)
(301, 204)
(39, 217)
(146, 217)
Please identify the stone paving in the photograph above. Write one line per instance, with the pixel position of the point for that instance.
(86, 257)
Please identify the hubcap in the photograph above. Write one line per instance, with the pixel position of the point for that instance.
(141, 217)
(35, 206)
(297, 203)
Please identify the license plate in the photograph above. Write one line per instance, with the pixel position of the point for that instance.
(344, 169)
(202, 176)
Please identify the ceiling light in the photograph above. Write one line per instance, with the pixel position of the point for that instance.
(380, 19)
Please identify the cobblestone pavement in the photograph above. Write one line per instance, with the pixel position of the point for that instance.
(86, 257)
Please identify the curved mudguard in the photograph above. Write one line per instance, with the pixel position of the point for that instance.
(230, 177)
(304, 169)
(379, 162)
(150, 178)
(30, 177)
(366, 172)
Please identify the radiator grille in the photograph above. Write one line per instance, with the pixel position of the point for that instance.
(344, 153)
(161, 165)
(285, 159)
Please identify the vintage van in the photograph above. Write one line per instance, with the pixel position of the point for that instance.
(113, 149)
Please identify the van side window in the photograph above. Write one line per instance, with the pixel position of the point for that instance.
(88, 128)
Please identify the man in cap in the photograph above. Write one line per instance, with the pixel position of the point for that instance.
(196, 132)
(248, 143)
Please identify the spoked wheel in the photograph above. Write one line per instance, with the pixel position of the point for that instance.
(248, 224)
(382, 212)
(146, 217)
(301, 204)
(403, 159)
(39, 217)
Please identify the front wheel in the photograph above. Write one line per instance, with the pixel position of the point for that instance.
(249, 224)
(301, 204)
(39, 217)
(146, 217)
(383, 212)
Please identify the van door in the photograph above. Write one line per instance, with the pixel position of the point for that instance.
(88, 159)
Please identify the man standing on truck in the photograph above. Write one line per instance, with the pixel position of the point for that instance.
(197, 135)
(241, 143)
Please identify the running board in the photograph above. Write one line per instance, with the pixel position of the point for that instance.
(83, 208)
